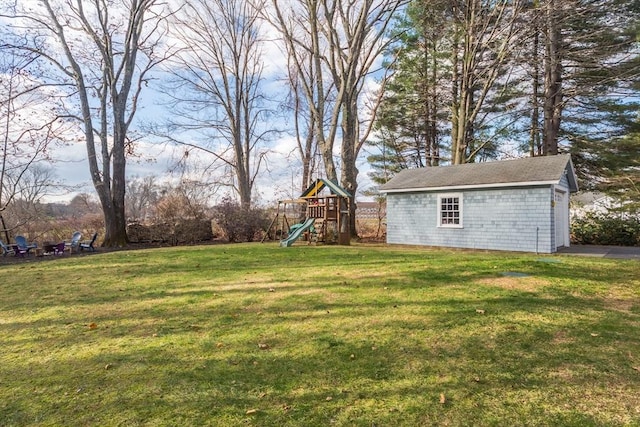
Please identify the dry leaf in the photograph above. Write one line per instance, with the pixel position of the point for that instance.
(263, 346)
(329, 398)
(93, 326)
(271, 290)
(219, 345)
(252, 411)
(443, 399)
(108, 366)
(594, 335)
(637, 368)
(479, 311)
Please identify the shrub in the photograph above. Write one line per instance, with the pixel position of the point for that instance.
(240, 224)
(606, 229)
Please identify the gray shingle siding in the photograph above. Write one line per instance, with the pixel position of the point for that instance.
(515, 219)
(564, 183)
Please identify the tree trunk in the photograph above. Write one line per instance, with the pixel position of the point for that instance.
(535, 148)
(349, 172)
(553, 80)
(455, 93)
(115, 218)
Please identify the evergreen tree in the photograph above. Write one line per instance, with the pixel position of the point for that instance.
(583, 61)
(563, 75)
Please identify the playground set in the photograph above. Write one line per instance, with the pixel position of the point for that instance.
(326, 216)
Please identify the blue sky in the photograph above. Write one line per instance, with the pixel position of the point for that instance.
(280, 180)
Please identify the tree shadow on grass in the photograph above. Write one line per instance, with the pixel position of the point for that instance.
(527, 359)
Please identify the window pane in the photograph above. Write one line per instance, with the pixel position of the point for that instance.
(450, 210)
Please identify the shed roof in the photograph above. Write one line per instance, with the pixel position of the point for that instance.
(547, 170)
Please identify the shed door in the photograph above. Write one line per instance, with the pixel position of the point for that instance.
(561, 208)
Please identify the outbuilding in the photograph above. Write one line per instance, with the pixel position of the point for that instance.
(511, 205)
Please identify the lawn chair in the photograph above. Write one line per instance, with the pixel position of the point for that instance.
(7, 250)
(75, 241)
(89, 245)
(59, 248)
(24, 247)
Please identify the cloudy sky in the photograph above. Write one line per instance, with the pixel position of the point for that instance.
(279, 179)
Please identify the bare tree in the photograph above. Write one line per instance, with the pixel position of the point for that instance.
(216, 81)
(299, 25)
(304, 121)
(141, 198)
(26, 133)
(485, 34)
(337, 46)
(101, 51)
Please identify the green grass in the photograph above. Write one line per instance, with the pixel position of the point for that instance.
(319, 336)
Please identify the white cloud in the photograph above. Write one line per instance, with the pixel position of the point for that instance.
(280, 180)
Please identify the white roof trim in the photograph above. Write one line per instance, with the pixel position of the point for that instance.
(472, 186)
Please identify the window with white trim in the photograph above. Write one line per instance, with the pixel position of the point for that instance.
(450, 210)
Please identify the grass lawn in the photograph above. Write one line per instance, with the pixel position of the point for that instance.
(258, 335)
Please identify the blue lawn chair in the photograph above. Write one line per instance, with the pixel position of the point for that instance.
(89, 245)
(7, 250)
(24, 247)
(75, 241)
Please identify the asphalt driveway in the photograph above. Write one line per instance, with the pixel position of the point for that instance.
(620, 252)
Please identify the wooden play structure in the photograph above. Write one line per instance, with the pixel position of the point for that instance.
(326, 216)
(287, 214)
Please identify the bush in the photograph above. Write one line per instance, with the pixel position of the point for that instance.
(240, 224)
(601, 229)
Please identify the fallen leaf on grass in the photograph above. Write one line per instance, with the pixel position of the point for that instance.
(479, 311)
(263, 346)
(93, 326)
(329, 398)
(637, 368)
(443, 399)
(252, 411)
(594, 335)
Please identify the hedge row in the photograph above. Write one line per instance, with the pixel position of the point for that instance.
(606, 229)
